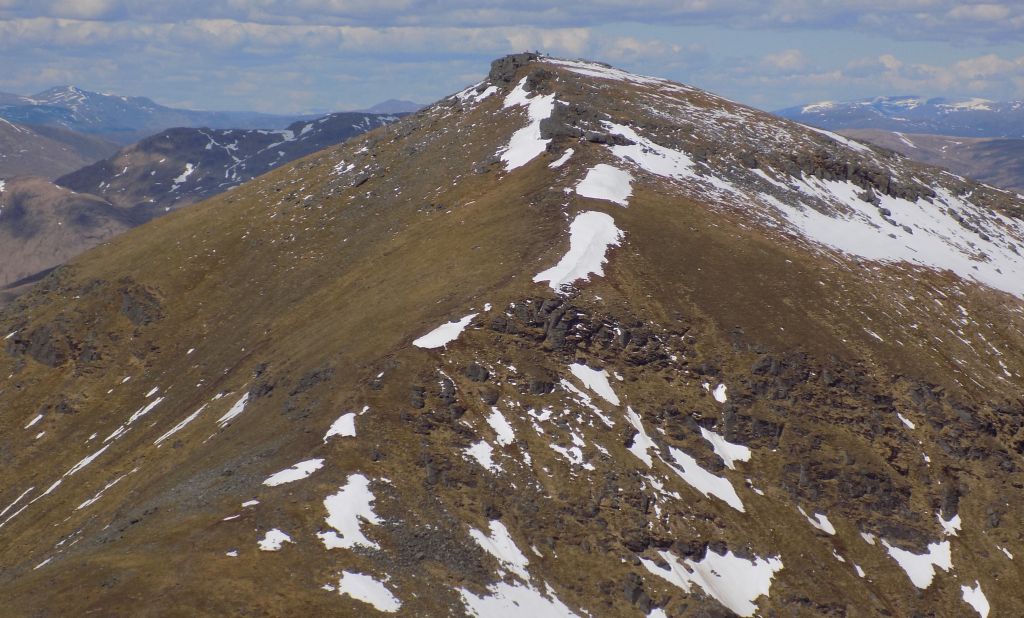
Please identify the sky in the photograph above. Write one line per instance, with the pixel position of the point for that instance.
(292, 56)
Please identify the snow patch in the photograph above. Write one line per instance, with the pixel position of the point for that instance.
(346, 510)
(344, 426)
(728, 452)
(273, 540)
(733, 581)
(976, 599)
(703, 481)
(591, 233)
(605, 182)
(819, 521)
(526, 143)
(515, 601)
(444, 334)
(949, 526)
(297, 472)
(500, 545)
(595, 380)
(920, 568)
(642, 443)
(483, 453)
(506, 434)
(368, 590)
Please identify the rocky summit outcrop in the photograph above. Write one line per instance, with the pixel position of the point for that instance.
(569, 342)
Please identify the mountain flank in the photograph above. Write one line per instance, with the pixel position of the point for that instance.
(570, 342)
(47, 152)
(996, 161)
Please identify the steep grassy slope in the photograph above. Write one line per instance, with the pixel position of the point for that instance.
(570, 445)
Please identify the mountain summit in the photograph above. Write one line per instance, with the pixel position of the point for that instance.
(569, 342)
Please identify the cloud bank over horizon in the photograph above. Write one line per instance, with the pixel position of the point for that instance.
(320, 55)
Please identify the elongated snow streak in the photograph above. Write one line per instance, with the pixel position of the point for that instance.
(297, 472)
(181, 425)
(144, 410)
(735, 582)
(703, 481)
(562, 159)
(444, 334)
(235, 410)
(591, 233)
(500, 545)
(99, 494)
(16, 500)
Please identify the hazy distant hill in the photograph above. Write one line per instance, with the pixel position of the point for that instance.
(123, 119)
(910, 114)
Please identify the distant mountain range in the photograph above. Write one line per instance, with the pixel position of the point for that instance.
(124, 119)
(181, 166)
(963, 117)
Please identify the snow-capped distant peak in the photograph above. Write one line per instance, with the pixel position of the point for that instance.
(972, 104)
(818, 107)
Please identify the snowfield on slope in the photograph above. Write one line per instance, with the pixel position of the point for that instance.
(947, 232)
(526, 143)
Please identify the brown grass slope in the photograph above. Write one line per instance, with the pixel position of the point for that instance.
(310, 305)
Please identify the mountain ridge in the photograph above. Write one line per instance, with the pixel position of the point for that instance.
(125, 119)
(962, 117)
